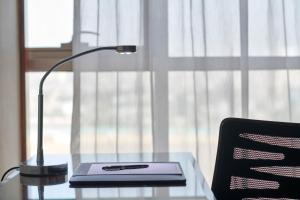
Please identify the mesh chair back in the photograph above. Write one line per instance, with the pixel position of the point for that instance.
(257, 160)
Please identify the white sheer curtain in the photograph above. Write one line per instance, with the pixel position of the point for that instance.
(198, 61)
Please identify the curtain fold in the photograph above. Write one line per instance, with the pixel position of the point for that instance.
(198, 62)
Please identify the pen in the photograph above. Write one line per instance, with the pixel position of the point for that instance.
(123, 167)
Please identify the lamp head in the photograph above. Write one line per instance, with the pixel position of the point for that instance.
(128, 49)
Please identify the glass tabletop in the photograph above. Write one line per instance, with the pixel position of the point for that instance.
(26, 188)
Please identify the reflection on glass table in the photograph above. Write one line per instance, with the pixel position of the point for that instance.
(196, 187)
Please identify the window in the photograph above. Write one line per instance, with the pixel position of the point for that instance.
(48, 36)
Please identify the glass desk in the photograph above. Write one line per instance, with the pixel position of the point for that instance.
(196, 187)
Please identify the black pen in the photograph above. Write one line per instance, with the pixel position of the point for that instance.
(123, 167)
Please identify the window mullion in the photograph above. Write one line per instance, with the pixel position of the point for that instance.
(158, 39)
(244, 65)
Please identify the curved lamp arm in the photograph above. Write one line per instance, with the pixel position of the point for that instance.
(119, 49)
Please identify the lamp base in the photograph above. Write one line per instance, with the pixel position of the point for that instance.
(30, 169)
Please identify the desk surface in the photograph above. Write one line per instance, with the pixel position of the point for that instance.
(196, 187)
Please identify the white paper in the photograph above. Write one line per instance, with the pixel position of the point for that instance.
(153, 168)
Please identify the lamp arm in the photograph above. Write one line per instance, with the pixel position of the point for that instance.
(40, 154)
(68, 59)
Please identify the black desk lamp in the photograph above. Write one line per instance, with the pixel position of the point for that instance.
(40, 168)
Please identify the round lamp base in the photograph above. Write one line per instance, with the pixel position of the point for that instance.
(30, 169)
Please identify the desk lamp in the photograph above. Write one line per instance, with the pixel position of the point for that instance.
(41, 168)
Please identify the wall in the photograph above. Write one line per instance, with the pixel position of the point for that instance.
(9, 86)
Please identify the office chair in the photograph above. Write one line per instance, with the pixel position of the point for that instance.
(257, 160)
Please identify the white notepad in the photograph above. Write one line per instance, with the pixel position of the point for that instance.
(153, 168)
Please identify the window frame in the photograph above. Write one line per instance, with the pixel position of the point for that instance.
(42, 59)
